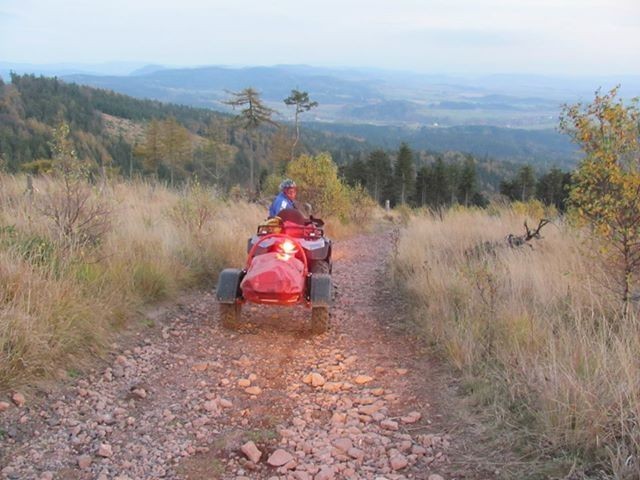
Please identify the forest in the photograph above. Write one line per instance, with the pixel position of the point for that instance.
(120, 135)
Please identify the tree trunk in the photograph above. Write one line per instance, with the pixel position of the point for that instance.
(293, 147)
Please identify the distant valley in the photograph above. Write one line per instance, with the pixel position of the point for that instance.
(354, 95)
(370, 96)
(507, 117)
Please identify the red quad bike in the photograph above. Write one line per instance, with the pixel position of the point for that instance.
(288, 263)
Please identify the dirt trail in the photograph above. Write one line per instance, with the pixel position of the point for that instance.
(180, 399)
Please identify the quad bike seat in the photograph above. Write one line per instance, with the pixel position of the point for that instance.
(293, 215)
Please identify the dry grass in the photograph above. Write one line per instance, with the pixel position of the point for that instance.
(58, 303)
(536, 330)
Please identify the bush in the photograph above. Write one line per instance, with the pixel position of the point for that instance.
(361, 205)
(319, 185)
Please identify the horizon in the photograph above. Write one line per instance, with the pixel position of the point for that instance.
(491, 37)
(126, 68)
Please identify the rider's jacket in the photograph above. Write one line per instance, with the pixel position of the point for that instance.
(280, 203)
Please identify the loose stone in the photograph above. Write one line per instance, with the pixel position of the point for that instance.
(343, 444)
(398, 462)
(327, 473)
(389, 425)
(18, 399)
(251, 451)
(253, 390)
(362, 379)
(84, 461)
(105, 450)
(279, 458)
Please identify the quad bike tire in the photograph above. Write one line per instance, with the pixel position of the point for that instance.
(319, 320)
(320, 315)
(320, 266)
(230, 315)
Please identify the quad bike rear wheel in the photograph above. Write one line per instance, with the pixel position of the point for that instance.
(320, 266)
(320, 314)
(230, 315)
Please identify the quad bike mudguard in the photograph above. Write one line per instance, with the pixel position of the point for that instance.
(320, 290)
(228, 289)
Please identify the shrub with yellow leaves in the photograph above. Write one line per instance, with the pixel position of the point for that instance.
(606, 194)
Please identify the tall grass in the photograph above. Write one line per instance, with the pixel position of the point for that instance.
(534, 331)
(58, 304)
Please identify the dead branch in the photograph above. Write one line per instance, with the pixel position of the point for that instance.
(492, 247)
(516, 241)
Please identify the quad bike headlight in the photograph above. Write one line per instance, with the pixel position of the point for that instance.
(287, 247)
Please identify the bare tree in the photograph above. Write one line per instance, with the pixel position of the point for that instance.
(79, 217)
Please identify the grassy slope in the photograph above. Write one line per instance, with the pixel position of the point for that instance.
(533, 332)
(62, 302)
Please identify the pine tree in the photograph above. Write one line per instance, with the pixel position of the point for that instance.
(303, 104)
(404, 173)
(253, 114)
(526, 182)
(151, 149)
(176, 147)
(379, 181)
(467, 180)
(553, 188)
(439, 184)
(422, 186)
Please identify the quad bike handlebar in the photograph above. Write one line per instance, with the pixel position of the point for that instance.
(311, 228)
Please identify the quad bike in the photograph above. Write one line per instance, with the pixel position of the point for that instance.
(288, 263)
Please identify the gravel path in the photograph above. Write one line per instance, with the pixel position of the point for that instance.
(187, 399)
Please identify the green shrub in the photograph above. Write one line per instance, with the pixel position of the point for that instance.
(361, 205)
(319, 185)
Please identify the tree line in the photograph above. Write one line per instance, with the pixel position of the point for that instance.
(397, 177)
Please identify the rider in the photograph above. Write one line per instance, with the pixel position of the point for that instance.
(285, 199)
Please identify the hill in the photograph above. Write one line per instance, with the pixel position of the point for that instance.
(118, 132)
(112, 130)
(373, 96)
(543, 148)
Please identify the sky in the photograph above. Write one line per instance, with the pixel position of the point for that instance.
(558, 37)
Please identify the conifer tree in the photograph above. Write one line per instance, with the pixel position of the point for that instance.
(379, 176)
(253, 114)
(303, 104)
(467, 180)
(404, 173)
(439, 183)
(553, 188)
(526, 182)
